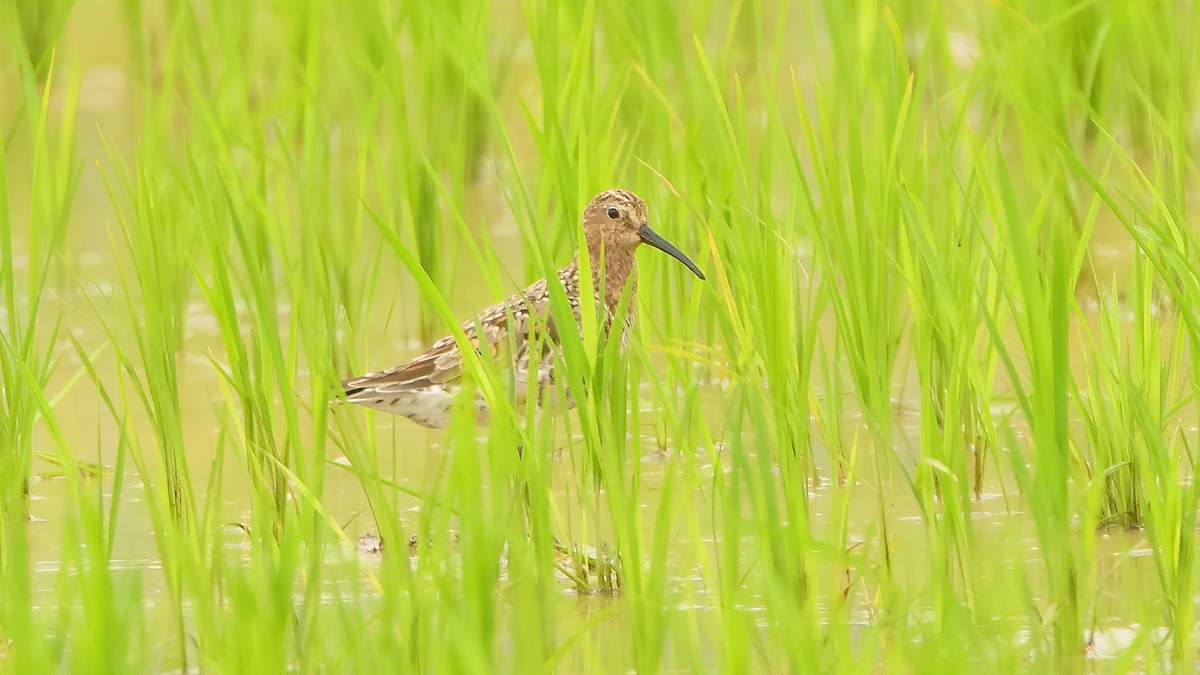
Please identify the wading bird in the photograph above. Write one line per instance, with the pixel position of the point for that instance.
(424, 389)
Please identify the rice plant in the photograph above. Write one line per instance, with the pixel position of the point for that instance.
(931, 408)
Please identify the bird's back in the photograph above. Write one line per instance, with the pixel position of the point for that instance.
(518, 333)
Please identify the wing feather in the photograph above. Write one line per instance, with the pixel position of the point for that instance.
(505, 330)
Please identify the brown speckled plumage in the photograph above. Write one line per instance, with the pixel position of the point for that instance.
(615, 223)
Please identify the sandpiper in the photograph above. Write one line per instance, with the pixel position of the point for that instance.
(424, 389)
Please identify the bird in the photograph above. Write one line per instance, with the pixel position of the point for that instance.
(615, 224)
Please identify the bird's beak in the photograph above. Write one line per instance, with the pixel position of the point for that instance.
(653, 238)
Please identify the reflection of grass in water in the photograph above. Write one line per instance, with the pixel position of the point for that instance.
(897, 207)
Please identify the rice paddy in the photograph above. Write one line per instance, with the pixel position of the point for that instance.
(933, 409)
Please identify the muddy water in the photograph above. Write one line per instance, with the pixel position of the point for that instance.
(1001, 531)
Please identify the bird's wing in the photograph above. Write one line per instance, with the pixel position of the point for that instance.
(505, 327)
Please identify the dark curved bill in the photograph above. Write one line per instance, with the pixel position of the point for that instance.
(651, 237)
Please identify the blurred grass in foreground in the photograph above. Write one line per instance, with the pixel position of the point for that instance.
(901, 209)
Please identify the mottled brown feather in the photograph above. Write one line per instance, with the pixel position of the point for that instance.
(441, 364)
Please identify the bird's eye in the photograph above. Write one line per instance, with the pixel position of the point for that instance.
(614, 214)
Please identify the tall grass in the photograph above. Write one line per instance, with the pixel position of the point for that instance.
(31, 333)
(895, 428)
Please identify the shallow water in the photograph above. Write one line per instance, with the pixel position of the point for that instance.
(1001, 530)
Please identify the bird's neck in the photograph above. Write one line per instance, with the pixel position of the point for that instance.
(620, 268)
